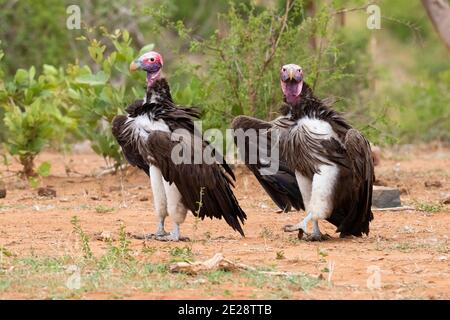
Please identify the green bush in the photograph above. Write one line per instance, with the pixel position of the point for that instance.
(98, 96)
(32, 115)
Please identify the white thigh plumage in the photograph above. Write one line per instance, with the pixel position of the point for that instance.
(305, 186)
(175, 207)
(159, 194)
(323, 187)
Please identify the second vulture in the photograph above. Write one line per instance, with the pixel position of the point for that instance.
(323, 156)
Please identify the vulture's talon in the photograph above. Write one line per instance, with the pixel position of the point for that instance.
(317, 237)
(171, 237)
(291, 228)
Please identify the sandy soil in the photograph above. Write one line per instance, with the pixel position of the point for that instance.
(407, 251)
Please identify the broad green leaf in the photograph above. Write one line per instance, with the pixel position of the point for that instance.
(44, 169)
(21, 76)
(97, 79)
(33, 181)
(147, 48)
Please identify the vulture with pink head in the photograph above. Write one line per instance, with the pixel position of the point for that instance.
(153, 128)
(328, 161)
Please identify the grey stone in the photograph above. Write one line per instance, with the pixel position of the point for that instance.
(46, 192)
(385, 197)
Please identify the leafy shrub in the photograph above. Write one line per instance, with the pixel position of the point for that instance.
(32, 116)
(97, 96)
(240, 73)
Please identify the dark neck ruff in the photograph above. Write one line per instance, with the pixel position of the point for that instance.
(159, 89)
(311, 106)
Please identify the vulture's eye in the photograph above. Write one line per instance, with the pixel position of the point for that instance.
(284, 69)
(152, 59)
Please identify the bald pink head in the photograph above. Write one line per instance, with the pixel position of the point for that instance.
(291, 78)
(152, 63)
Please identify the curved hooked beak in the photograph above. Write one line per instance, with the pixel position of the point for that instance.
(135, 65)
(291, 73)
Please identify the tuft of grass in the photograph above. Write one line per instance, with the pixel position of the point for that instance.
(5, 252)
(280, 255)
(103, 209)
(267, 233)
(429, 207)
(181, 254)
(403, 247)
(281, 286)
(322, 253)
(218, 276)
(160, 268)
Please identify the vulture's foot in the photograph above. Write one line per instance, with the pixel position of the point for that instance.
(317, 237)
(172, 237)
(151, 236)
(293, 227)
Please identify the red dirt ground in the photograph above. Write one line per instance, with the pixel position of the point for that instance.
(409, 248)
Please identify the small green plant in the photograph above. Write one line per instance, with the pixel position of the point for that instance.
(217, 276)
(42, 171)
(403, 247)
(429, 207)
(32, 116)
(87, 252)
(267, 233)
(104, 209)
(322, 253)
(117, 253)
(280, 255)
(181, 254)
(5, 252)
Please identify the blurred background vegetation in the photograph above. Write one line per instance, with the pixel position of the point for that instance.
(59, 86)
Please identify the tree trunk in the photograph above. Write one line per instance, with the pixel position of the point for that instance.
(28, 166)
(311, 12)
(439, 13)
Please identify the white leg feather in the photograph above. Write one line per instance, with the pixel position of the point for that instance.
(305, 186)
(159, 198)
(176, 210)
(318, 199)
(321, 204)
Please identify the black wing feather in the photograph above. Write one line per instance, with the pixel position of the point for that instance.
(360, 157)
(207, 182)
(282, 187)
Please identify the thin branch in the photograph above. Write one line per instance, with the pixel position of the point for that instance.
(275, 44)
(341, 11)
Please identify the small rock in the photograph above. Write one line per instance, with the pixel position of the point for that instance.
(47, 192)
(433, 184)
(446, 199)
(103, 236)
(2, 193)
(442, 258)
(64, 200)
(385, 197)
(21, 185)
(114, 188)
(144, 198)
(96, 198)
